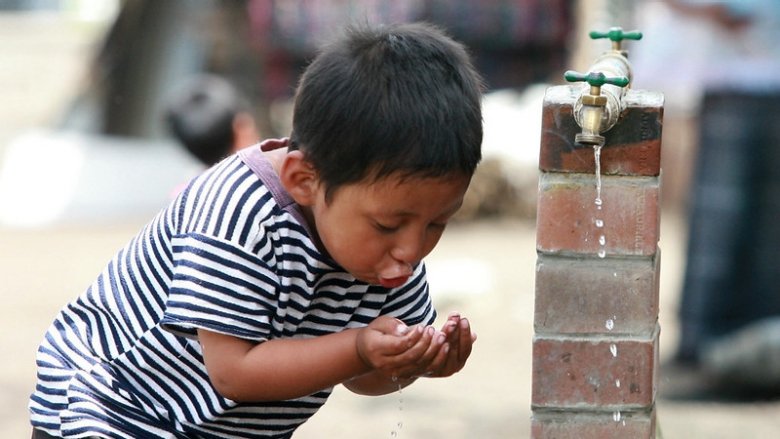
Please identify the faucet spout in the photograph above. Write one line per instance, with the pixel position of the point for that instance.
(596, 112)
(590, 117)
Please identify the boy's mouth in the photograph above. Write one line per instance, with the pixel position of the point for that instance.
(393, 282)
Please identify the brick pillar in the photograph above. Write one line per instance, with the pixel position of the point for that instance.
(595, 347)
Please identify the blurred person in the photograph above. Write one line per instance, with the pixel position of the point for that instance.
(287, 268)
(210, 118)
(729, 313)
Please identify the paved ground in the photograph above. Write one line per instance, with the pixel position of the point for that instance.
(483, 269)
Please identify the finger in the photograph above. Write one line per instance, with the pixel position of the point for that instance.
(431, 363)
(393, 345)
(390, 326)
(419, 344)
(408, 349)
(438, 366)
(449, 327)
(465, 342)
(409, 340)
(438, 340)
(417, 359)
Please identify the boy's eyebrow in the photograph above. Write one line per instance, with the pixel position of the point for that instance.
(406, 213)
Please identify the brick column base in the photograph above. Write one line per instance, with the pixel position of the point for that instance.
(595, 347)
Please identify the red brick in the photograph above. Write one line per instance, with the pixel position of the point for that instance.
(567, 214)
(599, 425)
(595, 296)
(632, 146)
(594, 372)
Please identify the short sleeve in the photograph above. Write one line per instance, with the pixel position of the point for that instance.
(219, 286)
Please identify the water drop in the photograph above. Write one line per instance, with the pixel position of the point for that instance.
(613, 349)
(599, 223)
(617, 383)
(400, 423)
(610, 324)
(602, 240)
(602, 253)
(616, 416)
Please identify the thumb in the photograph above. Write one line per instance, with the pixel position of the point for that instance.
(390, 326)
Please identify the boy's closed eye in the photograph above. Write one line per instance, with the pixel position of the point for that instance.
(391, 228)
(386, 228)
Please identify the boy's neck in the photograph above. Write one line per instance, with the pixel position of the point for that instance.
(276, 157)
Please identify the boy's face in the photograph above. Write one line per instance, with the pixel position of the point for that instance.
(379, 231)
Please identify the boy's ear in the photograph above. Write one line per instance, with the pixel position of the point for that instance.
(299, 178)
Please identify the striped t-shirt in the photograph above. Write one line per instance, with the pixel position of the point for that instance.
(231, 254)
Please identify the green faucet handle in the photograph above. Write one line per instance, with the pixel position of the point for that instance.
(595, 79)
(616, 35)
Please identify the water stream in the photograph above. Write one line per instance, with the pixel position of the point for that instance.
(397, 429)
(597, 157)
(602, 251)
(617, 416)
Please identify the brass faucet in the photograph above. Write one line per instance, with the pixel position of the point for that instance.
(597, 110)
(591, 111)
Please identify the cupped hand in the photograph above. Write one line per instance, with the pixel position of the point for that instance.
(460, 338)
(396, 350)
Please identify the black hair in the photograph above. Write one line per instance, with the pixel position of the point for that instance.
(201, 114)
(391, 99)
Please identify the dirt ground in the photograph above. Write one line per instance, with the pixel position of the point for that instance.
(484, 269)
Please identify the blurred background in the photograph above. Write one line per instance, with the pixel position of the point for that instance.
(87, 157)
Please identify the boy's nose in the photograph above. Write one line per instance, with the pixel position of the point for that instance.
(408, 251)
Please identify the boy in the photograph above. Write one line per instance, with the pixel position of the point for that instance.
(210, 119)
(286, 269)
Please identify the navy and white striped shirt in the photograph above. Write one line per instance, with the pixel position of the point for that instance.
(231, 254)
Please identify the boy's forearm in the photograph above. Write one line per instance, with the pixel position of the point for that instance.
(280, 369)
(375, 383)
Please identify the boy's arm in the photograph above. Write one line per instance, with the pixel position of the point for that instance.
(375, 383)
(280, 369)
